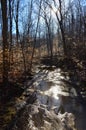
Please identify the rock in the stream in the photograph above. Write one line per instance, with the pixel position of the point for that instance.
(36, 117)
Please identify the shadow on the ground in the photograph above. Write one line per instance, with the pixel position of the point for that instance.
(8, 95)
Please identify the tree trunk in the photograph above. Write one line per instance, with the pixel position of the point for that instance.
(63, 36)
(35, 38)
(5, 42)
(24, 59)
(16, 21)
(10, 38)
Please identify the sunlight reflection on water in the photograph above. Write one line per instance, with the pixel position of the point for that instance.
(50, 88)
(52, 92)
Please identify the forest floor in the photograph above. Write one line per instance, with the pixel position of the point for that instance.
(58, 88)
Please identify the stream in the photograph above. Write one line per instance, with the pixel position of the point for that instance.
(55, 94)
(51, 103)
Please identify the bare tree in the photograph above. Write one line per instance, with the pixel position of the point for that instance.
(35, 37)
(5, 41)
(11, 9)
(16, 17)
(47, 18)
(58, 10)
(25, 42)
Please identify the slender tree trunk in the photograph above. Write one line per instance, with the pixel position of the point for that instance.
(16, 21)
(35, 36)
(63, 39)
(24, 59)
(5, 42)
(50, 44)
(61, 26)
(10, 49)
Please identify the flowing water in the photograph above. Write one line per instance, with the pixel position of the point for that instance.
(55, 94)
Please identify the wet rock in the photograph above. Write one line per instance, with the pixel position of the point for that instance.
(20, 105)
(36, 117)
(32, 98)
(61, 109)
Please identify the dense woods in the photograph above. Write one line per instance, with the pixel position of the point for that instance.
(32, 30)
(42, 28)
